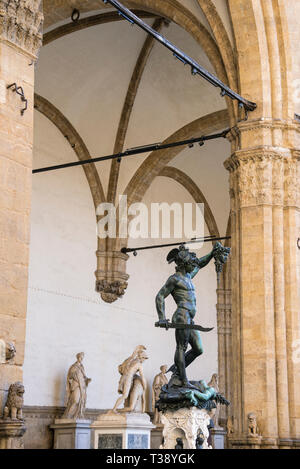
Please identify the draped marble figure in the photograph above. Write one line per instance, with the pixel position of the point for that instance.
(77, 383)
(159, 381)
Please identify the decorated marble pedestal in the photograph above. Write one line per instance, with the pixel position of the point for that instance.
(11, 432)
(187, 424)
(72, 434)
(122, 431)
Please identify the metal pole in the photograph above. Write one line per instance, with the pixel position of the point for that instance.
(157, 246)
(185, 59)
(134, 151)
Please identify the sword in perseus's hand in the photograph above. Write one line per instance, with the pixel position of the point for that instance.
(173, 325)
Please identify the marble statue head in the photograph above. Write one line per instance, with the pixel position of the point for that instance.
(80, 356)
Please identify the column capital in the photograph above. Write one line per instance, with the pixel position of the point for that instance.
(20, 24)
(264, 175)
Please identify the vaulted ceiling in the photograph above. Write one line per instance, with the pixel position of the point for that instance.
(118, 88)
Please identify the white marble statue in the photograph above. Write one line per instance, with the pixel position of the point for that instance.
(77, 383)
(132, 384)
(159, 381)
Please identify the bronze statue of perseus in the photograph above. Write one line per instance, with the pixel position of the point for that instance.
(180, 286)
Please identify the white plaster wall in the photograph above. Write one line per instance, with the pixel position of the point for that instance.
(66, 316)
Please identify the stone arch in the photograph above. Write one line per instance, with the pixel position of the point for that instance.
(183, 179)
(65, 127)
(88, 22)
(156, 161)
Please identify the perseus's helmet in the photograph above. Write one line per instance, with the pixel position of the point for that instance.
(180, 256)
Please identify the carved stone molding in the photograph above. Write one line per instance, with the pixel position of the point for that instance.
(110, 291)
(20, 23)
(291, 183)
(263, 176)
(111, 277)
(11, 433)
(278, 181)
(265, 123)
(224, 321)
(186, 424)
(224, 312)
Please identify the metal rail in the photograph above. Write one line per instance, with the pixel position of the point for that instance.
(134, 151)
(206, 239)
(196, 69)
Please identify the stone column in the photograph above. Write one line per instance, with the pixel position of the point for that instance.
(224, 350)
(265, 286)
(291, 217)
(20, 40)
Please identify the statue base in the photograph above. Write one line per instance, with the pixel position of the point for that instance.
(128, 430)
(218, 438)
(72, 434)
(11, 433)
(186, 424)
(157, 436)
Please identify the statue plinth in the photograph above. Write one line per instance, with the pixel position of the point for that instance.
(186, 424)
(218, 435)
(187, 413)
(157, 436)
(72, 434)
(122, 430)
(11, 433)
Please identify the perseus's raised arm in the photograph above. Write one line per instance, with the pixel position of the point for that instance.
(202, 262)
(160, 298)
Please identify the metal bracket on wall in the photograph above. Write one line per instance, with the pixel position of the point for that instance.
(196, 69)
(19, 90)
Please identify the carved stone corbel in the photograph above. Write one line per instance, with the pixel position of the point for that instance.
(111, 277)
